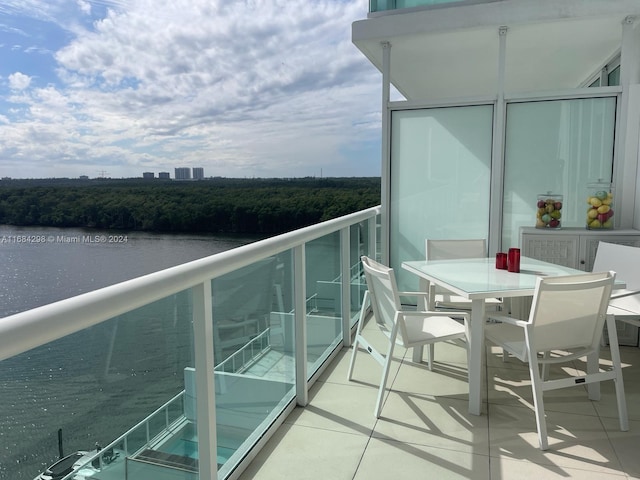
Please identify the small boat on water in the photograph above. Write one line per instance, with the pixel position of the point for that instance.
(79, 462)
(66, 465)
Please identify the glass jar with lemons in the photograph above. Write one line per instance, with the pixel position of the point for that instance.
(600, 206)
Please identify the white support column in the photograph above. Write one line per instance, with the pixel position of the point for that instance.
(497, 152)
(345, 264)
(385, 174)
(205, 385)
(627, 173)
(300, 324)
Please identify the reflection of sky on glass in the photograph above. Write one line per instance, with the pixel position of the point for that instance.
(440, 177)
(559, 147)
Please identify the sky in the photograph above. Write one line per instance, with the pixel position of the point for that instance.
(242, 88)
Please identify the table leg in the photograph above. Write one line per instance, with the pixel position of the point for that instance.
(476, 349)
(423, 287)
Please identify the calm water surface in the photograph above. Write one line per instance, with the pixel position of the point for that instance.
(97, 383)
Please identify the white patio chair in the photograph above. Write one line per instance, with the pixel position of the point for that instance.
(406, 328)
(451, 249)
(625, 261)
(565, 323)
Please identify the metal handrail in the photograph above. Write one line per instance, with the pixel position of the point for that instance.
(26, 330)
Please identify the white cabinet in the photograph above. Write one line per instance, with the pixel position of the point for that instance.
(576, 248)
(572, 247)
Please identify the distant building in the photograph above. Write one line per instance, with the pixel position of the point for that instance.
(148, 175)
(84, 177)
(198, 173)
(183, 173)
(164, 175)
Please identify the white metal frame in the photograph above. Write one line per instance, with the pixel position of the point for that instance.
(523, 339)
(397, 329)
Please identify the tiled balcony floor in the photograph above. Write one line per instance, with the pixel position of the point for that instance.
(426, 431)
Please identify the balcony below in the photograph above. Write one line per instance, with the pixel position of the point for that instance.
(388, 5)
(426, 431)
(452, 50)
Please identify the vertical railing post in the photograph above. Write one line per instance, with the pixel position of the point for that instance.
(345, 265)
(373, 237)
(205, 385)
(385, 174)
(300, 323)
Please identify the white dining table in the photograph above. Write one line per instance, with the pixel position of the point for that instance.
(477, 279)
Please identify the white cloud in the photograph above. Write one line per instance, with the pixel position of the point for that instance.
(19, 81)
(243, 88)
(85, 7)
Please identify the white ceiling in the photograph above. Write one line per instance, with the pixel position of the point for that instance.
(453, 52)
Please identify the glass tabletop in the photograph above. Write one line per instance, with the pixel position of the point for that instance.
(479, 277)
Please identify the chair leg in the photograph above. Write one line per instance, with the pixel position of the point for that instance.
(431, 356)
(617, 366)
(363, 309)
(416, 356)
(621, 401)
(426, 305)
(538, 402)
(385, 371)
(545, 367)
(593, 366)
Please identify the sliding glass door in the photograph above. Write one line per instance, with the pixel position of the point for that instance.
(557, 146)
(440, 179)
(440, 171)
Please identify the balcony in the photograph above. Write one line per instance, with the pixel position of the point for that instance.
(274, 396)
(426, 431)
(388, 5)
(238, 361)
(456, 51)
(215, 352)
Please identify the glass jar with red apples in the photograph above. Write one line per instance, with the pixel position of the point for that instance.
(549, 210)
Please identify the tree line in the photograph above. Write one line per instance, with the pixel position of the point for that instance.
(218, 205)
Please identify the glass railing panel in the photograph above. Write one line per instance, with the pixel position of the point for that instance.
(175, 410)
(136, 439)
(157, 425)
(324, 298)
(123, 392)
(94, 386)
(253, 326)
(242, 304)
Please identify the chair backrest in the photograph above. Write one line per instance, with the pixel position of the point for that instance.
(450, 249)
(383, 292)
(625, 261)
(569, 311)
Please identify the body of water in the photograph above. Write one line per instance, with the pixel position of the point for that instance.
(97, 383)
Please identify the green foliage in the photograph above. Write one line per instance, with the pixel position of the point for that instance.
(218, 205)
